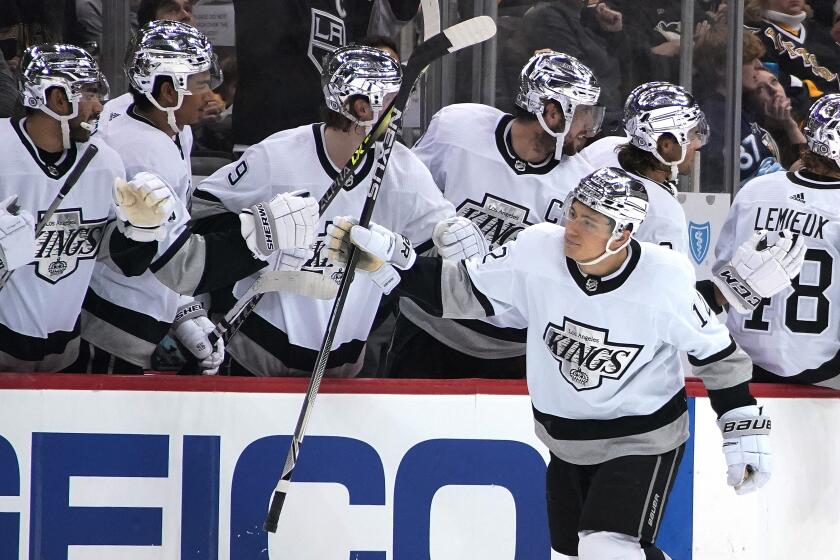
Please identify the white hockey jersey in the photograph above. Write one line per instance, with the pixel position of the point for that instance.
(119, 105)
(665, 222)
(468, 150)
(40, 304)
(604, 370)
(794, 335)
(286, 330)
(129, 316)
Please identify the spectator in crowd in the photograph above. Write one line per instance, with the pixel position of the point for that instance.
(594, 35)
(216, 130)
(10, 19)
(653, 29)
(774, 112)
(172, 10)
(280, 65)
(757, 147)
(804, 50)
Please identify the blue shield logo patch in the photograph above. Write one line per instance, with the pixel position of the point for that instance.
(699, 239)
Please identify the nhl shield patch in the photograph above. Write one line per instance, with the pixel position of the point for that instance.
(699, 239)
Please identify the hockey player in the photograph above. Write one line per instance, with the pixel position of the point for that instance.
(502, 172)
(665, 128)
(172, 69)
(62, 90)
(607, 318)
(284, 333)
(794, 337)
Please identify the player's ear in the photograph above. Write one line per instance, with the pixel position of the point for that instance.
(57, 101)
(668, 147)
(553, 116)
(168, 96)
(621, 240)
(361, 108)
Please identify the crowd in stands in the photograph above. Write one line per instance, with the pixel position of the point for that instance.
(791, 57)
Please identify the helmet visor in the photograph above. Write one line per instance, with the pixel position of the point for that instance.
(700, 133)
(588, 120)
(206, 81)
(95, 91)
(587, 218)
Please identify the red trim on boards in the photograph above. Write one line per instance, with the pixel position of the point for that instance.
(162, 382)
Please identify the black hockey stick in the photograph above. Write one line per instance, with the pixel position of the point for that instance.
(71, 180)
(457, 37)
(424, 54)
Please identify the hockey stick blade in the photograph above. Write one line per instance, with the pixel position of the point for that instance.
(452, 39)
(71, 180)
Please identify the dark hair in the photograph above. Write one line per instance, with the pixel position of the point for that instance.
(638, 161)
(520, 113)
(337, 121)
(818, 164)
(141, 101)
(379, 42)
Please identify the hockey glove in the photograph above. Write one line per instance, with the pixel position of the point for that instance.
(143, 206)
(746, 445)
(458, 238)
(287, 221)
(191, 327)
(381, 250)
(762, 266)
(17, 235)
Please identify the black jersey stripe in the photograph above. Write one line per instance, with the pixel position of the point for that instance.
(580, 430)
(33, 348)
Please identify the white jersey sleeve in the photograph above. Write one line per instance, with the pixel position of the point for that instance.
(244, 182)
(433, 153)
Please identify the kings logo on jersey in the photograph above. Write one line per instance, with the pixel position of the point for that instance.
(586, 354)
(498, 219)
(66, 239)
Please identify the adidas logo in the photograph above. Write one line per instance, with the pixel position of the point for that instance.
(798, 197)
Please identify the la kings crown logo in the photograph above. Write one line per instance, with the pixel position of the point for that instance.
(498, 219)
(66, 239)
(586, 354)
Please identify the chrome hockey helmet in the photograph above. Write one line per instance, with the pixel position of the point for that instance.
(615, 194)
(822, 131)
(177, 50)
(68, 67)
(551, 75)
(658, 108)
(357, 70)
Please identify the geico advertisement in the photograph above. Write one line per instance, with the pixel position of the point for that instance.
(135, 475)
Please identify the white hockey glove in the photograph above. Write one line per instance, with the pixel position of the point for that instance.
(746, 445)
(458, 238)
(382, 250)
(191, 327)
(287, 221)
(17, 235)
(762, 266)
(143, 206)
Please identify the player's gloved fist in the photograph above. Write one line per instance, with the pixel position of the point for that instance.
(17, 235)
(287, 221)
(191, 327)
(458, 238)
(382, 250)
(762, 267)
(746, 445)
(143, 206)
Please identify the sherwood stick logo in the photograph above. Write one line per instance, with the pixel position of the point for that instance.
(586, 354)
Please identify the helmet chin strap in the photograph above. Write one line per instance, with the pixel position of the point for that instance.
(170, 111)
(673, 165)
(64, 120)
(560, 137)
(607, 253)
